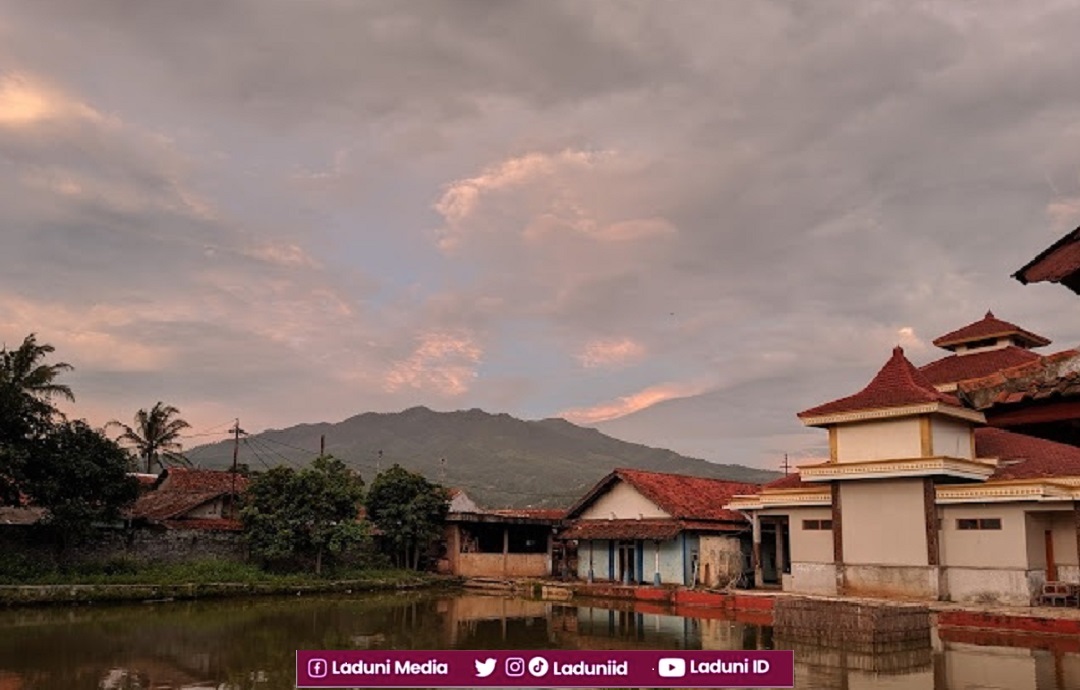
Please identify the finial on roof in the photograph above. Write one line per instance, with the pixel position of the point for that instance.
(989, 314)
(898, 351)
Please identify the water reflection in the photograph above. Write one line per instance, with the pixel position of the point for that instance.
(249, 644)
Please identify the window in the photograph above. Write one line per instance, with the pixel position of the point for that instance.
(978, 523)
(816, 524)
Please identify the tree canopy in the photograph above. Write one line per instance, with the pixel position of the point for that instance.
(155, 435)
(71, 470)
(292, 515)
(409, 510)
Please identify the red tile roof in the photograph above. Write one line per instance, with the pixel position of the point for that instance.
(1026, 457)
(184, 479)
(1058, 263)
(956, 368)
(679, 495)
(181, 490)
(1054, 375)
(789, 481)
(897, 384)
(534, 513)
(989, 327)
(659, 529)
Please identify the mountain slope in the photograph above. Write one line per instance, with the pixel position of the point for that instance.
(497, 459)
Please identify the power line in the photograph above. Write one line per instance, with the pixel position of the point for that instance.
(267, 449)
(256, 454)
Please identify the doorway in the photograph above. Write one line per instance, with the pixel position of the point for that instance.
(627, 564)
(775, 550)
(1051, 564)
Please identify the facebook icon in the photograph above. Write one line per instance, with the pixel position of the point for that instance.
(316, 668)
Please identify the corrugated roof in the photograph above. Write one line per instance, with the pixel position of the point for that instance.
(989, 327)
(897, 384)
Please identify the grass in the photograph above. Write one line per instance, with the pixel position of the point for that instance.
(16, 571)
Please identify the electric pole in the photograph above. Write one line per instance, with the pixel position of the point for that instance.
(235, 456)
(786, 466)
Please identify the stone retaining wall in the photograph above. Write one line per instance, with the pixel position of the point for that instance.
(856, 625)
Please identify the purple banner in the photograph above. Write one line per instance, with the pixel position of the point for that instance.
(559, 668)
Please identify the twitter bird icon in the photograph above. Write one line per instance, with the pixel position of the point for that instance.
(484, 668)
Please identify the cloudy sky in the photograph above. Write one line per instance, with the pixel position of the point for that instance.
(716, 212)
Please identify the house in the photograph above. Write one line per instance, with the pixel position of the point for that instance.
(919, 498)
(1058, 263)
(639, 527)
(184, 498)
(501, 543)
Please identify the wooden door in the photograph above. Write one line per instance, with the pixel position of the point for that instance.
(1051, 565)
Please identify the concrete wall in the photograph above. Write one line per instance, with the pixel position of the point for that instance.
(597, 550)
(724, 558)
(1006, 548)
(622, 502)
(148, 545)
(892, 581)
(810, 546)
(812, 578)
(884, 522)
(878, 440)
(1003, 586)
(951, 437)
(502, 565)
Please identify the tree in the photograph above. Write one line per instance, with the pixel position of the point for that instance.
(409, 510)
(27, 389)
(80, 478)
(155, 435)
(308, 514)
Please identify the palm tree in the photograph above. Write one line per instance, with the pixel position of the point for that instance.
(155, 435)
(27, 388)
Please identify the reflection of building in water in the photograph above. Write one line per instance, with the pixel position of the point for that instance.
(488, 618)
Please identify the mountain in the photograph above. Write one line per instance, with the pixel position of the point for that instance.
(498, 460)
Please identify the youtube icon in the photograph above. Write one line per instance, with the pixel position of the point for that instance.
(671, 668)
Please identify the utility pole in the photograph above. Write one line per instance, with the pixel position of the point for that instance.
(786, 466)
(235, 456)
(378, 463)
(322, 446)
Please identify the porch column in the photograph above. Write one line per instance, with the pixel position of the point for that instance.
(755, 552)
(506, 550)
(933, 557)
(656, 570)
(592, 575)
(838, 538)
(780, 552)
(1076, 523)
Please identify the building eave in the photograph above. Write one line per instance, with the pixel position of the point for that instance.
(960, 468)
(893, 412)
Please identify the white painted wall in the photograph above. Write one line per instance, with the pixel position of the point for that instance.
(884, 522)
(1004, 548)
(878, 440)
(622, 502)
(951, 437)
(810, 546)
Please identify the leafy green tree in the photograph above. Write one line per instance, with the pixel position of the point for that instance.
(28, 387)
(80, 477)
(292, 515)
(155, 435)
(409, 510)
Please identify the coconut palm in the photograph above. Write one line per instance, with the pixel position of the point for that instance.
(154, 435)
(27, 388)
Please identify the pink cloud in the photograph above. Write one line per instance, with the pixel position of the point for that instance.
(611, 353)
(444, 363)
(625, 405)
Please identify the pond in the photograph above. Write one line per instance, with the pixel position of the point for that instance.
(249, 644)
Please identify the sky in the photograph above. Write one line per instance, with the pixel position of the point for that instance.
(682, 222)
